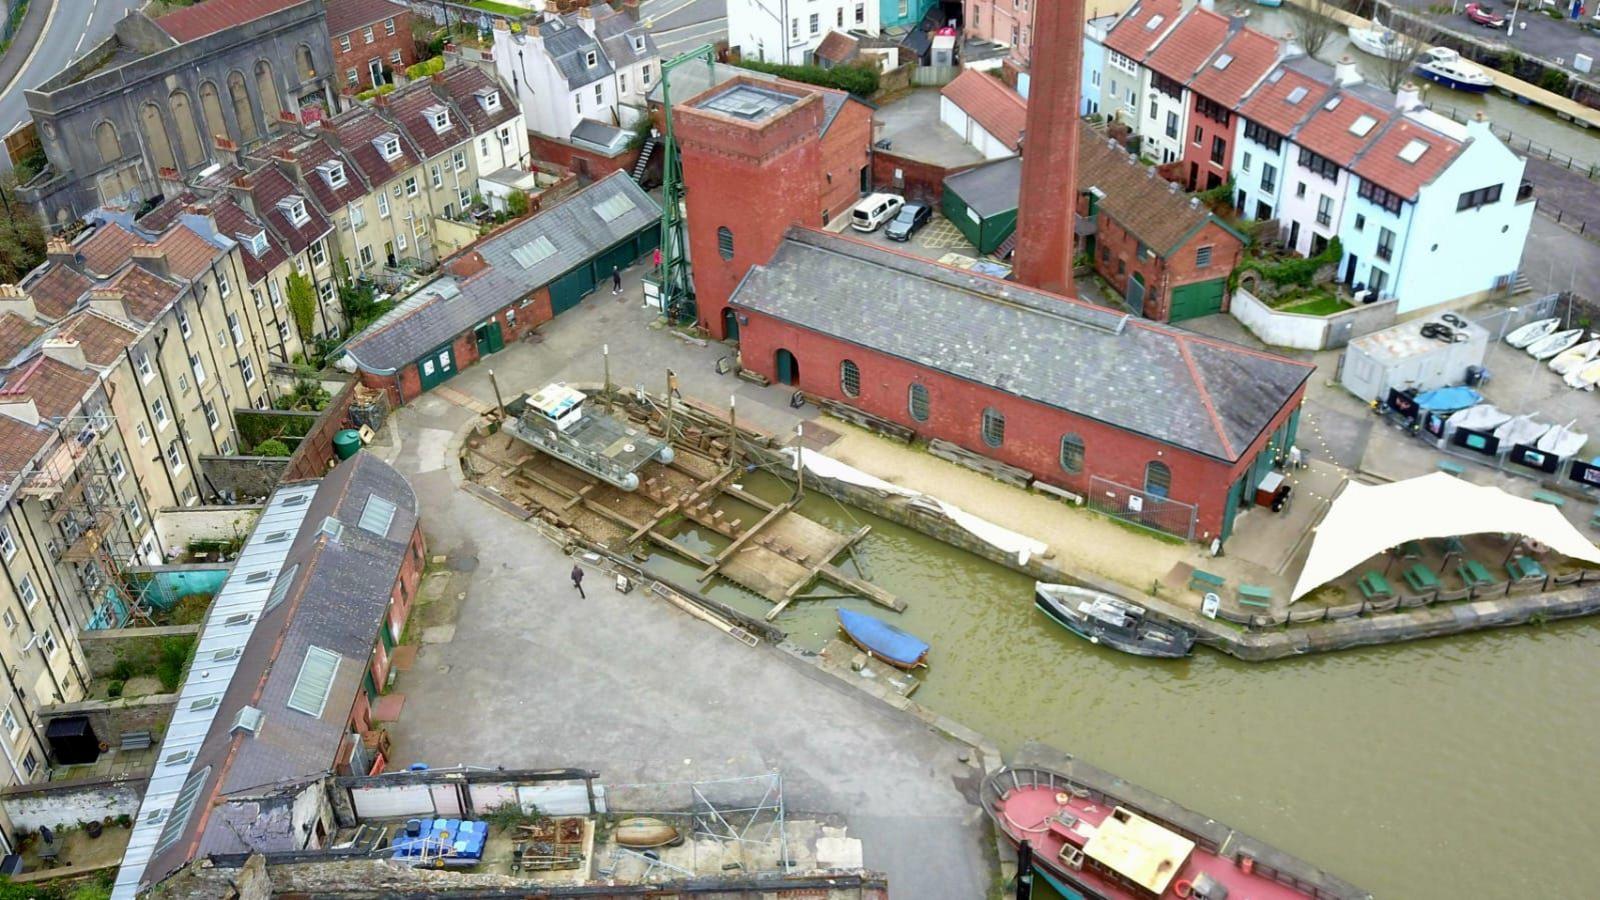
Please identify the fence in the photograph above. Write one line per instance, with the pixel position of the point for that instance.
(934, 76)
(1529, 146)
(1142, 508)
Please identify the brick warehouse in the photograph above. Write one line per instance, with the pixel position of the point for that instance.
(1082, 397)
(368, 37)
(759, 156)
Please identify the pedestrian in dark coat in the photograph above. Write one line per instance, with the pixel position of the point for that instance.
(616, 281)
(577, 581)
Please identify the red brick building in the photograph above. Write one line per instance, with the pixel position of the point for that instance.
(369, 37)
(759, 156)
(1176, 429)
(1164, 252)
(1214, 94)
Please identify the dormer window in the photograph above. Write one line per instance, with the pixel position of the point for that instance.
(333, 173)
(489, 100)
(256, 243)
(638, 44)
(590, 58)
(439, 118)
(388, 145)
(295, 209)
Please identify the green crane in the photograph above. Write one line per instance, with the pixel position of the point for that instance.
(675, 284)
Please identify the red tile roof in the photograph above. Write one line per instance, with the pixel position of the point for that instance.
(1000, 110)
(1249, 54)
(1269, 106)
(462, 84)
(267, 187)
(357, 129)
(213, 16)
(104, 251)
(56, 291)
(1328, 133)
(233, 221)
(1141, 202)
(144, 293)
(19, 444)
(188, 254)
(1143, 25)
(837, 47)
(55, 387)
(1383, 165)
(16, 334)
(1183, 51)
(345, 15)
(101, 339)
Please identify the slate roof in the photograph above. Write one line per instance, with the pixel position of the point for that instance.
(1143, 26)
(410, 107)
(345, 15)
(1383, 165)
(1001, 111)
(105, 249)
(233, 220)
(1249, 55)
(55, 387)
(213, 16)
(448, 306)
(166, 212)
(1185, 390)
(144, 293)
(1181, 53)
(604, 137)
(56, 288)
(16, 335)
(102, 339)
(1142, 203)
(566, 43)
(616, 31)
(463, 83)
(267, 187)
(188, 253)
(1268, 105)
(990, 188)
(357, 129)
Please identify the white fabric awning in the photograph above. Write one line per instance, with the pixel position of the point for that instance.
(1365, 520)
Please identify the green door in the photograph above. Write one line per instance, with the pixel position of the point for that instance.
(489, 337)
(566, 291)
(619, 257)
(438, 366)
(1195, 300)
(1230, 509)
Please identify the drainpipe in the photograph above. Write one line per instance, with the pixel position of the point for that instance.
(38, 565)
(144, 404)
(237, 364)
(166, 389)
(205, 341)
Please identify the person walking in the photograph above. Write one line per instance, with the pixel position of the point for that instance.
(616, 281)
(577, 581)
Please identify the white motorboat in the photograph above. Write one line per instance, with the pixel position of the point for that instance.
(1584, 377)
(1445, 66)
(1574, 357)
(1531, 332)
(1561, 441)
(1551, 344)
(1520, 430)
(1483, 417)
(1378, 41)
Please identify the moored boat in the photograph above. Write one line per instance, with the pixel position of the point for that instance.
(1527, 334)
(1575, 357)
(1095, 835)
(1376, 40)
(1445, 66)
(644, 832)
(883, 641)
(1101, 618)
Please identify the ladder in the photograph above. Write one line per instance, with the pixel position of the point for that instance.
(640, 167)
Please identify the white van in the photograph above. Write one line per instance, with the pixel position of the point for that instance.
(875, 210)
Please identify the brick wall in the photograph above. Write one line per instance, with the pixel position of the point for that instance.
(586, 163)
(382, 47)
(1033, 431)
(846, 155)
(1198, 169)
(113, 718)
(1117, 261)
(140, 647)
(916, 180)
(314, 456)
(515, 321)
(70, 802)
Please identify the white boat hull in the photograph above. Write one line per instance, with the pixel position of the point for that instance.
(1584, 377)
(1521, 430)
(1561, 441)
(1531, 332)
(1550, 345)
(1376, 41)
(1574, 358)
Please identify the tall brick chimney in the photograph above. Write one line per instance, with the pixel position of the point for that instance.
(1050, 150)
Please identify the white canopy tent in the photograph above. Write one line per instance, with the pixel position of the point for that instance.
(1365, 520)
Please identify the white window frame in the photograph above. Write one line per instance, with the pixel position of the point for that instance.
(249, 370)
(319, 253)
(383, 204)
(459, 160)
(183, 322)
(27, 592)
(436, 176)
(388, 26)
(174, 455)
(235, 329)
(8, 543)
(158, 410)
(198, 365)
(367, 35)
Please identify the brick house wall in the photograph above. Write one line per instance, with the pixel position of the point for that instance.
(1198, 169)
(1117, 260)
(1004, 22)
(587, 164)
(361, 53)
(917, 181)
(1033, 431)
(846, 159)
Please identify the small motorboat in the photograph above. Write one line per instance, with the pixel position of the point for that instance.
(1376, 40)
(644, 832)
(1520, 430)
(1584, 377)
(1445, 66)
(1483, 417)
(1574, 357)
(1103, 619)
(883, 641)
(1531, 332)
(1561, 441)
(1554, 343)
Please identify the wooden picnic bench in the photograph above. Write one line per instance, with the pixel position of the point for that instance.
(1373, 585)
(136, 740)
(1451, 467)
(1205, 581)
(1421, 578)
(1524, 568)
(1409, 550)
(1255, 595)
(1474, 573)
(1555, 500)
(1451, 545)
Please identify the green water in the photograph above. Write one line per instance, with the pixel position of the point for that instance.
(1437, 769)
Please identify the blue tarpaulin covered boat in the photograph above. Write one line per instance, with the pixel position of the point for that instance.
(884, 641)
(1448, 400)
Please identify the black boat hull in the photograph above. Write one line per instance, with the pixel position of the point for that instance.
(1047, 605)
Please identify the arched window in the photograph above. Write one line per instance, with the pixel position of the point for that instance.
(267, 90)
(850, 378)
(243, 113)
(917, 402)
(1157, 479)
(724, 242)
(211, 114)
(155, 136)
(188, 132)
(308, 69)
(994, 427)
(106, 140)
(1072, 453)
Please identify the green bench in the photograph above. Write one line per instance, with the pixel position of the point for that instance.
(1451, 545)
(1555, 500)
(1452, 468)
(1255, 595)
(1474, 573)
(1373, 586)
(1524, 568)
(1421, 578)
(1205, 581)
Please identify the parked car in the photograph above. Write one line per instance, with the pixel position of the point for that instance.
(912, 217)
(875, 210)
(1484, 14)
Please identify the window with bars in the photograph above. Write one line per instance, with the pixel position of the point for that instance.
(1072, 453)
(917, 402)
(724, 242)
(994, 427)
(850, 378)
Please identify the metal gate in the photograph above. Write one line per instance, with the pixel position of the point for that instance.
(1142, 508)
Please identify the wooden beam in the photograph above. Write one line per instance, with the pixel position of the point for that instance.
(578, 497)
(749, 498)
(741, 539)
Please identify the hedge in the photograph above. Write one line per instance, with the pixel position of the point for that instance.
(859, 80)
(425, 68)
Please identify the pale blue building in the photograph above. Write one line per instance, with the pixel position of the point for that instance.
(1094, 64)
(902, 13)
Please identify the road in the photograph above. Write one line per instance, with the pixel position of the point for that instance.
(73, 27)
(681, 25)
(1536, 33)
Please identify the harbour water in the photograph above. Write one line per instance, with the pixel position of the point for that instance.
(1430, 770)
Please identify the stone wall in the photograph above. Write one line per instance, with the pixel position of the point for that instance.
(51, 804)
(179, 525)
(918, 181)
(111, 719)
(1284, 329)
(139, 647)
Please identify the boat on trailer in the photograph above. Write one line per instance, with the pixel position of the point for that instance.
(1101, 618)
(556, 420)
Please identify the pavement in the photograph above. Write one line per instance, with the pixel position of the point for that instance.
(911, 124)
(70, 28)
(679, 26)
(1535, 34)
(626, 684)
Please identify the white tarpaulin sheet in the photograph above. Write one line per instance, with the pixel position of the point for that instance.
(1365, 520)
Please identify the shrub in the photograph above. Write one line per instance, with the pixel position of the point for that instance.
(425, 68)
(859, 80)
(272, 447)
(1294, 271)
(114, 689)
(122, 671)
(1554, 80)
(175, 654)
(517, 204)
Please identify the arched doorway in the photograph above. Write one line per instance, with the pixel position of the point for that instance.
(788, 368)
(730, 324)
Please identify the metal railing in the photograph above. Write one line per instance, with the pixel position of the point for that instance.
(1142, 508)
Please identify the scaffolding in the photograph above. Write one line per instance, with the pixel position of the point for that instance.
(741, 820)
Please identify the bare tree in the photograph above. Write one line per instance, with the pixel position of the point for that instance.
(1312, 23)
(1395, 68)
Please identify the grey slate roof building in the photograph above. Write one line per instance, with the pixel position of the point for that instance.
(571, 48)
(626, 41)
(989, 188)
(566, 235)
(1179, 388)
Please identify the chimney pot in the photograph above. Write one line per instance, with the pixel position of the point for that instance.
(1194, 202)
(1408, 97)
(1345, 72)
(1150, 172)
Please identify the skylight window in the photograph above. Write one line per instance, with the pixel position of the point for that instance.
(1223, 61)
(376, 516)
(612, 207)
(203, 703)
(188, 795)
(332, 527)
(281, 589)
(248, 719)
(534, 252)
(1362, 125)
(258, 577)
(315, 682)
(1332, 104)
(1275, 77)
(1154, 23)
(1413, 150)
(1296, 95)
